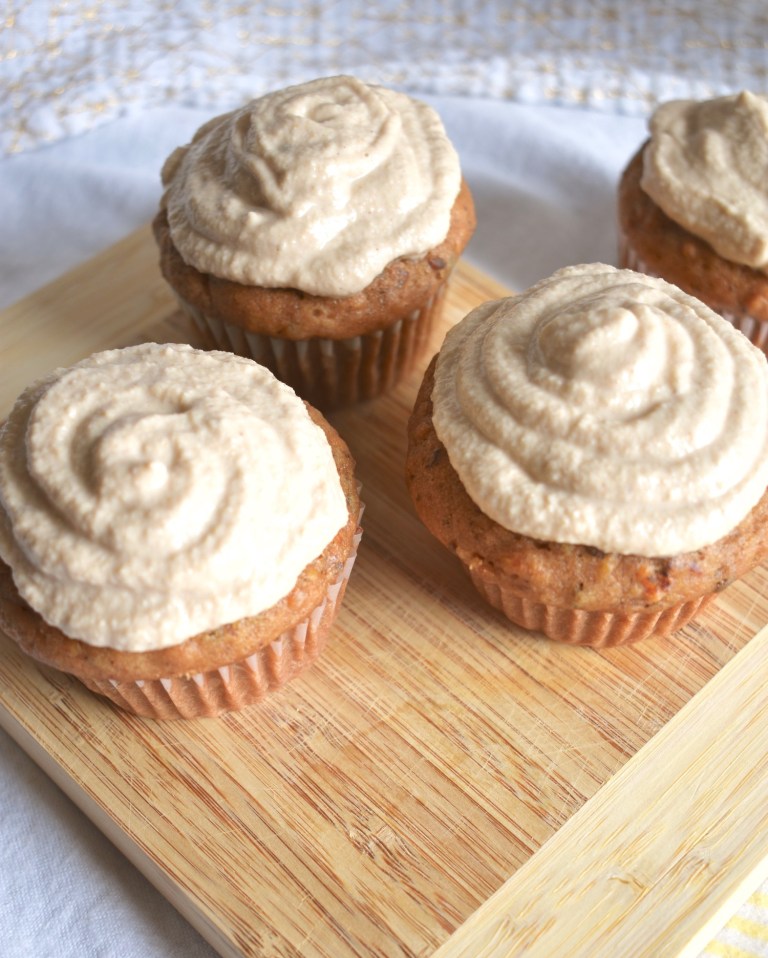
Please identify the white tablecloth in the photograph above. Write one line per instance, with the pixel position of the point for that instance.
(543, 176)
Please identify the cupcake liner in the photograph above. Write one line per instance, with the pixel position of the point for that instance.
(629, 258)
(580, 627)
(755, 330)
(238, 684)
(332, 372)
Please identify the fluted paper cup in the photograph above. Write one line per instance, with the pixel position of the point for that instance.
(330, 373)
(238, 684)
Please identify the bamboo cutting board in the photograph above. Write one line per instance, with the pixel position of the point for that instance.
(437, 769)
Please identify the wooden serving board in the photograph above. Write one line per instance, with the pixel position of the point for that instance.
(440, 783)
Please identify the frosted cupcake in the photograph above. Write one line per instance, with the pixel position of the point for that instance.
(176, 528)
(595, 452)
(693, 206)
(315, 230)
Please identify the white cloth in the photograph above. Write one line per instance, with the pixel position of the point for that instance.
(543, 177)
(543, 182)
(67, 67)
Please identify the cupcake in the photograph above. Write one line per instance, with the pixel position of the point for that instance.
(176, 528)
(693, 206)
(595, 452)
(314, 230)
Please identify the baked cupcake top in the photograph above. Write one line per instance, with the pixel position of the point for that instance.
(316, 187)
(605, 408)
(705, 166)
(151, 493)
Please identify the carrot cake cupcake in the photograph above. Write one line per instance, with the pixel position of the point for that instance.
(314, 230)
(595, 452)
(176, 528)
(693, 206)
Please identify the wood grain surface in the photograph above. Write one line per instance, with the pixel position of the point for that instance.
(679, 826)
(373, 805)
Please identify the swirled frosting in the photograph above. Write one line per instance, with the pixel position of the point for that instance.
(605, 408)
(151, 493)
(316, 187)
(705, 166)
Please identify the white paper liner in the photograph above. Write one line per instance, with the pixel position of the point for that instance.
(579, 627)
(238, 684)
(332, 372)
(754, 329)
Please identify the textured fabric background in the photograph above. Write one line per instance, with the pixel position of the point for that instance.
(67, 66)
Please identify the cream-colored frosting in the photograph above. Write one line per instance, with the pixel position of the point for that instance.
(705, 166)
(606, 408)
(151, 493)
(316, 187)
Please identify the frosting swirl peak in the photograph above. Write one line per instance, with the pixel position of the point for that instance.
(151, 493)
(605, 408)
(705, 166)
(315, 187)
